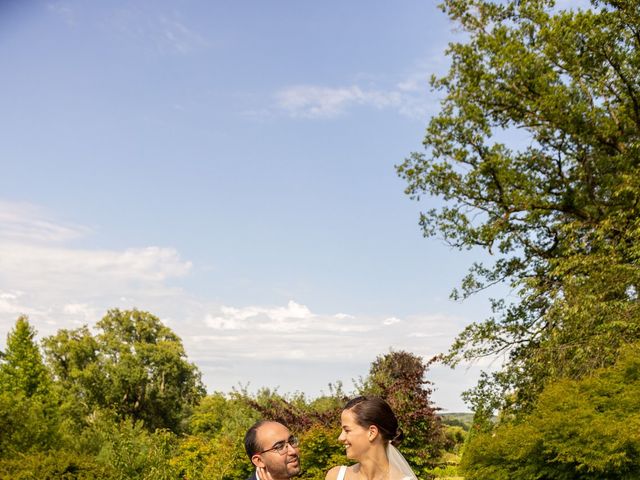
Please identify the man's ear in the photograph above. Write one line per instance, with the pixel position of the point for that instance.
(257, 461)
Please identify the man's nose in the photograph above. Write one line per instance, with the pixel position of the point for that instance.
(291, 447)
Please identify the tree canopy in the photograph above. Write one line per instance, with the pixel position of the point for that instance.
(134, 365)
(586, 429)
(122, 401)
(28, 411)
(21, 367)
(536, 155)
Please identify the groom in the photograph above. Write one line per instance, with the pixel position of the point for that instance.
(273, 451)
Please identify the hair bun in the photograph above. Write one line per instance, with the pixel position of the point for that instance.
(398, 438)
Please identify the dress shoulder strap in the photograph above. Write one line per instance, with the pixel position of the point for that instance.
(341, 472)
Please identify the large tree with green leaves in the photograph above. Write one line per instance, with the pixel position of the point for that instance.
(21, 367)
(134, 365)
(536, 156)
(29, 417)
(584, 429)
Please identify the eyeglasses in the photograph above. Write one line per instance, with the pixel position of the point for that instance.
(281, 447)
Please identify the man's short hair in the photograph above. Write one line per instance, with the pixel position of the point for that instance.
(250, 439)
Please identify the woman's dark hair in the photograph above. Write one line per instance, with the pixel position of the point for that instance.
(375, 411)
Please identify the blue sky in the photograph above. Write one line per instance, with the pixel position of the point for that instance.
(229, 166)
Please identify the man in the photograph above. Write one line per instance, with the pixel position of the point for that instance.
(273, 450)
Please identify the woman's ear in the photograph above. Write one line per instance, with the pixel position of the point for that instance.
(373, 433)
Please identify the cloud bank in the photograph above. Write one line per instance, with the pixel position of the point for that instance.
(291, 345)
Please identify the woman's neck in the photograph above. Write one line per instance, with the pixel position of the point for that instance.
(375, 466)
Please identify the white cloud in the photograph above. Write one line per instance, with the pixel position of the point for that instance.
(391, 321)
(9, 295)
(310, 101)
(265, 332)
(293, 310)
(10, 305)
(27, 222)
(292, 318)
(164, 33)
(37, 264)
(64, 11)
(416, 82)
(54, 283)
(287, 344)
(177, 37)
(424, 335)
(81, 309)
(222, 323)
(409, 97)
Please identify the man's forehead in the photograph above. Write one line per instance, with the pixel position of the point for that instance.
(271, 432)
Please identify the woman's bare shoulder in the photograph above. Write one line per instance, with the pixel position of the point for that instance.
(333, 473)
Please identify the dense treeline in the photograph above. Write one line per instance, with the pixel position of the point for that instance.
(536, 155)
(586, 429)
(125, 403)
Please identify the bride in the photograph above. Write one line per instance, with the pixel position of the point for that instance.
(369, 427)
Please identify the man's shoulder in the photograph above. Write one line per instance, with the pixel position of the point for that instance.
(252, 476)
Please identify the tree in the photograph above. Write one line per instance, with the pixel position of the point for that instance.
(134, 365)
(21, 367)
(586, 429)
(218, 424)
(28, 410)
(215, 448)
(399, 378)
(559, 211)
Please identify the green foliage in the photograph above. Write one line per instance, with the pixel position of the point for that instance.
(463, 420)
(135, 366)
(106, 449)
(559, 208)
(218, 414)
(316, 422)
(27, 424)
(29, 419)
(92, 413)
(216, 449)
(195, 459)
(446, 472)
(54, 465)
(21, 367)
(320, 450)
(126, 447)
(134, 453)
(74, 359)
(578, 429)
(201, 458)
(455, 437)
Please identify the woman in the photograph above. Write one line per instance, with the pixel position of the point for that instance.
(369, 426)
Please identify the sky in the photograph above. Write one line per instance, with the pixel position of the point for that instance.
(229, 167)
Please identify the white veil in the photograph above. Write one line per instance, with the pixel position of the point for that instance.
(399, 469)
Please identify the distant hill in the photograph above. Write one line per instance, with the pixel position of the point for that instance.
(463, 420)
